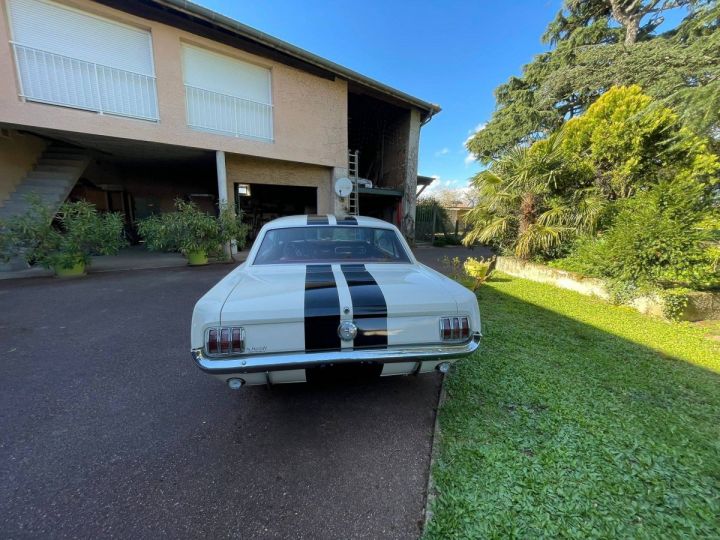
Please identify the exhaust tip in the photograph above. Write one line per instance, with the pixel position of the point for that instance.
(443, 367)
(235, 384)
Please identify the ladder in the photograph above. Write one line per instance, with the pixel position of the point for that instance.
(353, 204)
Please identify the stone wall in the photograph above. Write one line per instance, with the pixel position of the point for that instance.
(559, 278)
(701, 305)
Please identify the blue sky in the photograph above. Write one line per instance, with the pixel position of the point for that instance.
(453, 53)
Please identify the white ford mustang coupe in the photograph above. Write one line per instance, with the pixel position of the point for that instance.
(320, 295)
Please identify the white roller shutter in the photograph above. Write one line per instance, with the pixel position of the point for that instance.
(227, 95)
(72, 58)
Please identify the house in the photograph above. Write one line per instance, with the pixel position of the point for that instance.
(456, 215)
(131, 104)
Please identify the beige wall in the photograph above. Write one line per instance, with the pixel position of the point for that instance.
(247, 170)
(18, 155)
(310, 113)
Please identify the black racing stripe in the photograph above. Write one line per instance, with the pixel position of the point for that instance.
(349, 220)
(317, 220)
(369, 307)
(322, 309)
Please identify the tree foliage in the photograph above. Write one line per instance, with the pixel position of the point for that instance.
(539, 200)
(626, 142)
(592, 51)
(525, 206)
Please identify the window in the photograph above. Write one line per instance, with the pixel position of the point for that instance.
(70, 58)
(331, 244)
(226, 95)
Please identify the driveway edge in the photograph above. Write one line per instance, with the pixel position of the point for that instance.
(430, 487)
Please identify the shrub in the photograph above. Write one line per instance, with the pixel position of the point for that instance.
(674, 302)
(453, 240)
(440, 241)
(659, 239)
(189, 230)
(480, 270)
(61, 240)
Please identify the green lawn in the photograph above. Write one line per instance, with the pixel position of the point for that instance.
(579, 419)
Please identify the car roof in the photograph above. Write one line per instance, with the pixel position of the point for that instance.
(305, 220)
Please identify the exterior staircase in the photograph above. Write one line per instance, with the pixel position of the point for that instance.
(52, 179)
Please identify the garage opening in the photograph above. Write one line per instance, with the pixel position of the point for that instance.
(261, 203)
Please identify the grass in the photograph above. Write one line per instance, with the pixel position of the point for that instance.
(578, 419)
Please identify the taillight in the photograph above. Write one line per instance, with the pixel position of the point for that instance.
(224, 341)
(237, 340)
(454, 328)
(446, 331)
(212, 342)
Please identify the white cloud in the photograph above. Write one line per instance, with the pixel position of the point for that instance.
(442, 152)
(470, 157)
(444, 184)
(451, 191)
(473, 132)
(434, 187)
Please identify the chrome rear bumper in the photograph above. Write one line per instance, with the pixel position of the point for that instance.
(286, 361)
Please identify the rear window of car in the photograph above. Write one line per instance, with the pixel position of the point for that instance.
(330, 244)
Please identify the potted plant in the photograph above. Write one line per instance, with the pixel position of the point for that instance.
(62, 241)
(192, 232)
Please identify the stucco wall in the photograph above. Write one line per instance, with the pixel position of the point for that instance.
(310, 113)
(248, 170)
(18, 155)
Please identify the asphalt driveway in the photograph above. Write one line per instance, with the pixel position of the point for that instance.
(108, 429)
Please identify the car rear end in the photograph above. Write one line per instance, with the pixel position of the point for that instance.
(290, 320)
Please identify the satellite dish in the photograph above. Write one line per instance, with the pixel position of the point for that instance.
(343, 187)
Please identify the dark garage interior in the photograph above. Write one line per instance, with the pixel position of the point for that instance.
(261, 203)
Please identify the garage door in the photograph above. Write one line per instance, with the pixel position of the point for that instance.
(72, 58)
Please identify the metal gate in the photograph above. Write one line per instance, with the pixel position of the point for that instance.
(425, 223)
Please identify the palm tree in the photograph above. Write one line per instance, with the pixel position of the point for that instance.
(523, 206)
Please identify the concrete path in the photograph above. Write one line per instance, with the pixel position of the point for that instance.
(130, 258)
(108, 429)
